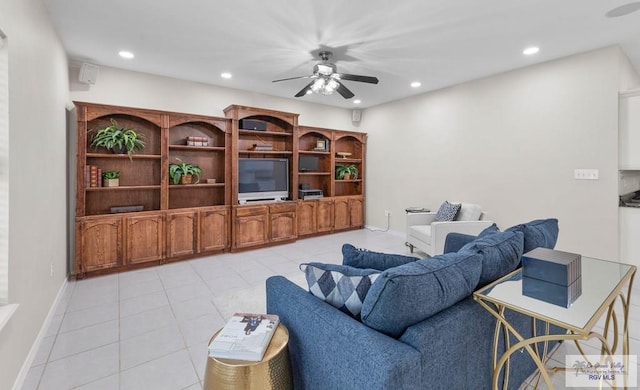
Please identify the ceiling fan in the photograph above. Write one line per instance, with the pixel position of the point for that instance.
(326, 79)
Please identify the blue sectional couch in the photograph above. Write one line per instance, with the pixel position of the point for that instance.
(418, 326)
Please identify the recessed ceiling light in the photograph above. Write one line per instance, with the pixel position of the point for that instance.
(309, 92)
(357, 101)
(126, 54)
(531, 50)
(623, 10)
(415, 84)
(225, 75)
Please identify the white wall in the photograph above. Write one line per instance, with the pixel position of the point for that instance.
(133, 89)
(38, 91)
(511, 143)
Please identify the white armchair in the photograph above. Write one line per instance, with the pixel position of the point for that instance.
(428, 235)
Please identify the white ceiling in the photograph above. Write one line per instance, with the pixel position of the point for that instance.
(437, 42)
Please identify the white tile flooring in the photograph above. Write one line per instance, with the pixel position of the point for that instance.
(149, 329)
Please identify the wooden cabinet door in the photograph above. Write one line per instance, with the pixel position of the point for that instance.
(99, 245)
(214, 229)
(283, 226)
(282, 221)
(145, 238)
(341, 213)
(181, 233)
(251, 226)
(306, 215)
(356, 211)
(324, 215)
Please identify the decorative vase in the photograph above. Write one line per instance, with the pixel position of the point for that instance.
(186, 179)
(111, 182)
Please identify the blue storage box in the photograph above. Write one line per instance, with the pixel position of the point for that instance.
(552, 276)
(562, 268)
(550, 292)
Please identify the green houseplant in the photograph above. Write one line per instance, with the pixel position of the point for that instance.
(183, 172)
(118, 139)
(111, 178)
(346, 172)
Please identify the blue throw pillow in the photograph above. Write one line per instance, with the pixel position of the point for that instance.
(405, 295)
(341, 286)
(455, 241)
(538, 233)
(501, 254)
(448, 211)
(363, 258)
(489, 230)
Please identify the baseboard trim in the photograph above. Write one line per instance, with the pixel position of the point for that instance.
(22, 375)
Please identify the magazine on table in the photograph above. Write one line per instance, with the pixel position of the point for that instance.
(246, 336)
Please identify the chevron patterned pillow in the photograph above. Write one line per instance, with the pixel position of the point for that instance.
(341, 286)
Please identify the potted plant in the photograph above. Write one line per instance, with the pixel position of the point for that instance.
(118, 139)
(183, 173)
(346, 172)
(111, 179)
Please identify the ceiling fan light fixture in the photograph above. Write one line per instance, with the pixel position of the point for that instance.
(326, 79)
(318, 85)
(324, 69)
(330, 86)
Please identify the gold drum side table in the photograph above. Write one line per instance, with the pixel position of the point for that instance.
(272, 372)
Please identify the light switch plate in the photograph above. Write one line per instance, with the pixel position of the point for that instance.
(586, 174)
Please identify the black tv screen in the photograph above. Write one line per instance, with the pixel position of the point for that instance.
(263, 178)
(308, 163)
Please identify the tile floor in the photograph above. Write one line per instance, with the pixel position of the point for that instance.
(149, 329)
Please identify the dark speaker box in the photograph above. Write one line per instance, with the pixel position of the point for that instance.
(252, 124)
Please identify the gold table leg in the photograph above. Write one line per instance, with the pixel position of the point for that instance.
(530, 344)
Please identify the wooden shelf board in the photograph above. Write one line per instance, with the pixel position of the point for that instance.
(187, 147)
(347, 160)
(265, 152)
(348, 181)
(191, 186)
(258, 132)
(313, 152)
(124, 188)
(314, 173)
(133, 156)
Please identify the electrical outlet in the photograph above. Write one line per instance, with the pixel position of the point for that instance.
(387, 213)
(586, 174)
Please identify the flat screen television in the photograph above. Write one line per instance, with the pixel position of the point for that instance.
(308, 163)
(263, 179)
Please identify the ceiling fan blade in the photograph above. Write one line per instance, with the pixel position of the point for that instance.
(344, 91)
(304, 90)
(362, 79)
(292, 78)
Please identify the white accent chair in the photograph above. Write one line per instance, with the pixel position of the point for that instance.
(428, 235)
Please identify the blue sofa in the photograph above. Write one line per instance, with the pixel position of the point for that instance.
(419, 327)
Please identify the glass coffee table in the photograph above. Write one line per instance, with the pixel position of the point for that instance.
(603, 284)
